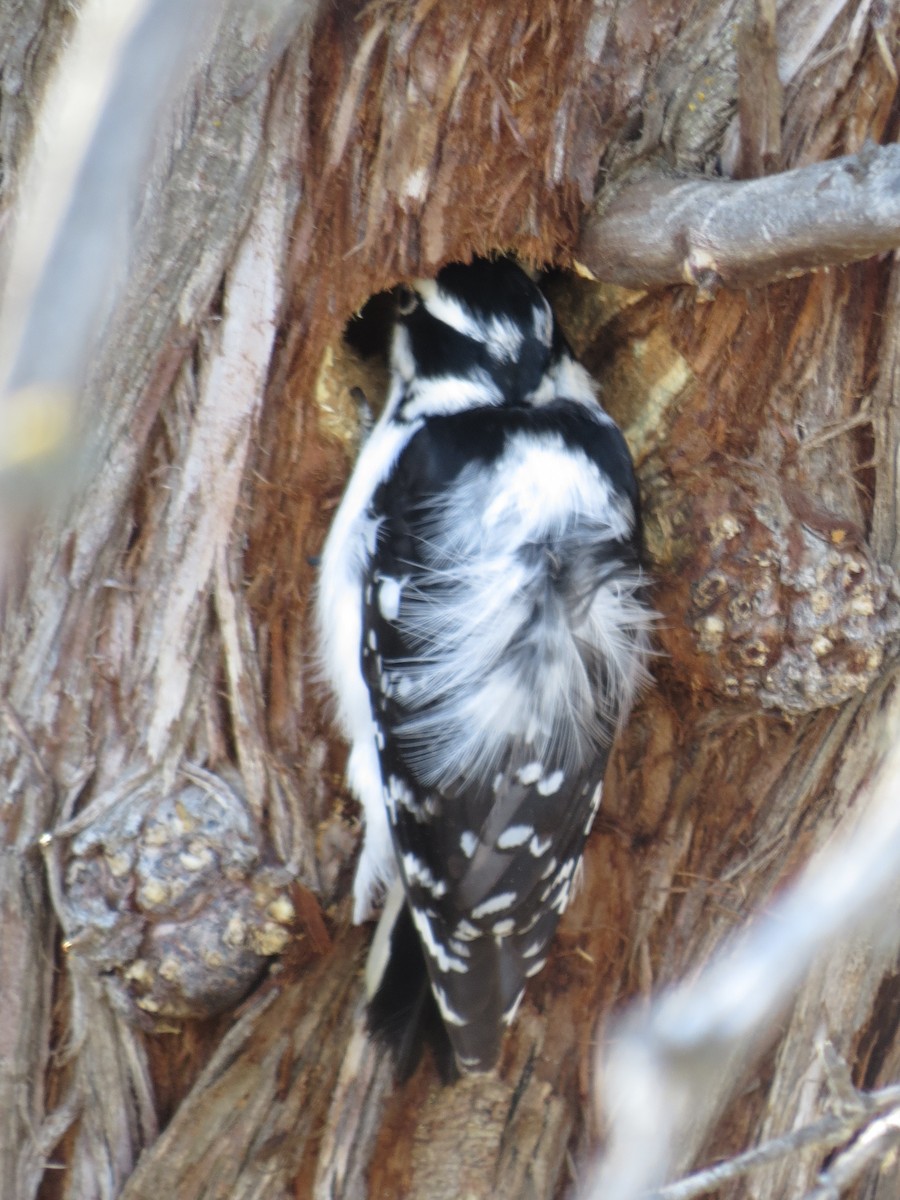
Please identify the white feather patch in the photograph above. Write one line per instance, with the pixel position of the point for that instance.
(484, 589)
(468, 842)
(380, 950)
(345, 559)
(566, 379)
(442, 395)
(501, 336)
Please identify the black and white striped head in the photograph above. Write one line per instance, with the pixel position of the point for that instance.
(484, 322)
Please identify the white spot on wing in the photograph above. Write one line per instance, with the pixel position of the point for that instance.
(389, 597)
(398, 794)
(515, 835)
(561, 899)
(539, 846)
(510, 1015)
(595, 805)
(561, 884)
(466, 930)
(432, 806)
(551, 784)
(503, 928)
(418, 872)
(493, 904)
(468, 842)
(531, 922)
(530, 773)
(450, 1015)
(444, 960)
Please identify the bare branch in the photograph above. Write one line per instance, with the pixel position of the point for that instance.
(835, 1129)
(658, 231)
(870, 1147)
(827, 1133)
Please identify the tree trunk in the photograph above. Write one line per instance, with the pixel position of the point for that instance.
(176, 836)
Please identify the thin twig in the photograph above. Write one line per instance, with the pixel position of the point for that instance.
(835, 429)
(825, 1134)
(871, 1146)
(835, 1129)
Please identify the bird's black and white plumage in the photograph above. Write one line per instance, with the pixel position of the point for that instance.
(483, 629)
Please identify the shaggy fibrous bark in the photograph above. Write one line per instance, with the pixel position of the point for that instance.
(155, 635)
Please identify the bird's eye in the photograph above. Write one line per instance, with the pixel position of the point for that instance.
(407, 300)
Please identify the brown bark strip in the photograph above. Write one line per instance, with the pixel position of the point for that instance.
(252, 1124)
(759, 93)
